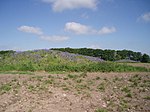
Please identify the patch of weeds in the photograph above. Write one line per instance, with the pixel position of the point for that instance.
(147, 97)
(65, 88)
(129, 95)
(49, 81)
(88, 95)
(25, 72)
(110, 103)
(81, 86)
(57, 84)
(78, 92)
(57, 72)
(105, 79)
(65, 78)
(30, 110)
(117, 79)
(79, 80)
(42, 87)
(63, 85)
(5, 88)
(38, 78)
(17, 85)
(90, 82)
(101, 87)
(134, 84)
(135, 80)
(14, 80)
(72, 76)
(97, 78)
(146, 83)
(84, 74)
(50, 76)
(125, 89)
(31, 88)
(15, 91)
(123, 105)
(16, 72)
(101, 110)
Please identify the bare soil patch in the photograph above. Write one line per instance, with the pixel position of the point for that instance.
(75, 92)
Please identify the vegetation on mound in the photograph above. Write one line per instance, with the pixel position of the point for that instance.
(108, 55)
(49, 60)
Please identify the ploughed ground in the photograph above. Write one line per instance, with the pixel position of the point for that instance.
(75, 92)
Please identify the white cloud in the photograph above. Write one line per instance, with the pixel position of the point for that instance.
(55, 38)
(94, 46)
(78, 28)
(107, 30)
(61, 5)
(146, 17)
(37, 31)
(29, 29)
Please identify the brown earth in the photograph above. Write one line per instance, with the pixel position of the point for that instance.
(75, 92)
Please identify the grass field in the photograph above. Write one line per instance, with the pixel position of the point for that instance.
(49, 60)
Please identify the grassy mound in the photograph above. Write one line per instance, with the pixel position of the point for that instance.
(49, 60)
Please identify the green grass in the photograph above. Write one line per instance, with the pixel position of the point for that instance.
(16, 72)
(147, 97)
(31, 88)
(72, 76)
(49, 81)
(125, 89)
(5, 88)
(54, 63)
(101, 87)
(101, 110)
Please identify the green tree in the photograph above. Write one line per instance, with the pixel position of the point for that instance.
(145, 58)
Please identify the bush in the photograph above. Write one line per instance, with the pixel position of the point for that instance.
(26, 67)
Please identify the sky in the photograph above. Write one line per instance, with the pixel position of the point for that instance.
(98, 24)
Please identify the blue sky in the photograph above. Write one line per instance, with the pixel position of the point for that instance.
(104, 24)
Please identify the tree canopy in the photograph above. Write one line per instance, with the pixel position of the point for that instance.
(108, 55)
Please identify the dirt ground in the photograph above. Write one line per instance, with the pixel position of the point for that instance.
(75, 92)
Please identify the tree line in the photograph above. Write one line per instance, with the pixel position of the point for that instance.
(108, 55)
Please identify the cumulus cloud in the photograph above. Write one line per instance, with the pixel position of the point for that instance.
(55, 38)
(37, 31)
(61, 5)
(78, 28)
(145, 17)
(94, 46)
(30, 29)
(107, 30)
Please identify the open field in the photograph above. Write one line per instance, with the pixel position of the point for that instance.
(146, 65)
(74, 92)
(55, 81)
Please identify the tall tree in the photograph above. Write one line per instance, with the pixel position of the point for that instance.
(145, 58)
